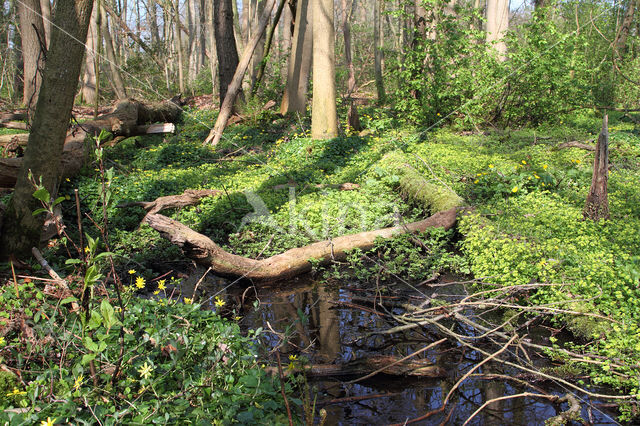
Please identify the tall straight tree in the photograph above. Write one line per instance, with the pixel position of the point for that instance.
(295, 93)
(33, 51)
(89, 83)
(377, 44)
(43, 156)
(324, 115)
(116, 76)
(225, 44)
(497, 25)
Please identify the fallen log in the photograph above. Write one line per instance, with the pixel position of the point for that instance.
(19, 138)
(189, 197)
(124, 120)
(385, 364)
(292, 262)
(18, 125)
(576, 144)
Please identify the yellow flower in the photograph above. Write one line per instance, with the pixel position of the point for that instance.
(491, 166)
(219, 302)
(16, 391)
(544, 167)
(140, 282)
(578, 161)
(293, 357)
(478, 174)
(2, 341)
(145, 370)
(49, 422)
(188, 300)
(67, 180)
(161, 285)
(536, 176)
(87, 249)
(155, 293)
(132, 271)
(514, 189)
(476, 181)
(78, 382)
(524, 162)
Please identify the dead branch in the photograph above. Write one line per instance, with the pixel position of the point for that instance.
(571, 415)
(577, 144)
(502, 398)
(189, 197)
(53, 274)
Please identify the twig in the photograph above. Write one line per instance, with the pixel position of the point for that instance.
(423, 417)
(15, 281)
(53, 274)
(195, 289)
(359, 398)
(518, 395)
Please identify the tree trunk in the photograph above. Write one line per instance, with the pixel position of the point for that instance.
(45, 7)
(258, 53)
(21, 230)
(300, 59)
(202, 33)
(597, 205)
(178, 47)
(377, 43)
(497, 25)
(235, 86)
(116, 77)
(290, 263)
(152, 18)
(324, 116)
(353, 118)
(623, 34)
(89, 91)
(18, 76)
(225, 44)
(267, 48)
(33, 53)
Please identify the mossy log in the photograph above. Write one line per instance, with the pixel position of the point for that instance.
(432, 197)
(125, 119)
(292, 262)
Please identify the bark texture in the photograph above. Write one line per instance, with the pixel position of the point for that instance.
(497, 25)
(324, 115)
(225, 44)
(33, 51)
(597, 205)
(21, 230)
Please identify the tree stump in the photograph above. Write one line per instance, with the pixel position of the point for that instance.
(597, 205)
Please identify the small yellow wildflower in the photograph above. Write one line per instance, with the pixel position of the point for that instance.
(145, 370)
(514, 189)
(157, 292)
(188, 300)
(476, 181)
(161, 285)
(49, 422)
(293, 357)
(491, 166)
(78, 382)
(132, 271)
(478, 174)
(87, 249)
(140, 282)
(544, 167)
(67, 180)
(524, 162)
(219, 302)
(2, 341)
(536, 176)
(578, 161)
(16, 391)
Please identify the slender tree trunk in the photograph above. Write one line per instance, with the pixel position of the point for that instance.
(45, 7)
(225, 44)
(237, 27)
(300, 59)
(623, 34)
(21, 230)
(202, 34)
(33, 54)
(377, 43)
(267, 48)
(116, 77)
(497, 25)
(152, 18)
(18, 77)
(259, 52)
(285, 47)
(178, 47)
(324, 116)
(89, 77)
(353, 118)
(213, 63)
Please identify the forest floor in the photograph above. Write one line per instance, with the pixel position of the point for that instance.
(281, 190)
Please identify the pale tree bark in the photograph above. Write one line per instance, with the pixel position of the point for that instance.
(497, 26)
(377, 43)
(21, 230)
(258, 53)
(89, 76)
(300, 59)
(202, 34)
(236, 25)
(285, 46)
(45, 7)
(324, 116)
(213, 63)
(353, 118)
(267, 47)
(116, 76)
(152, 19)
(178, 46)
(225, 44)
(33, 53)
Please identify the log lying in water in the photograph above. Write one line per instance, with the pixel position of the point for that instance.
(124, 120)
(292, 262)
(388, 364)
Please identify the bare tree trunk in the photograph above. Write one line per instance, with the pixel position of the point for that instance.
(377, 43)
(259, 52)
(497, 25)
(324, 116)
(152, 18)
(225, 44)
(89, 77)
(21, 230)
(45, 7)
(300, 59)
(18, 77)
(235, 86)
(178, 47)
(267, 48)
(33, 53)
(623, 34)
(202, 34)
(353, 118)
(116, 77)
(597, 205)
(285, 47)
(214, 51)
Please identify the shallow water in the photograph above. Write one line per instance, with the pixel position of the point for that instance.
(320, 325)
